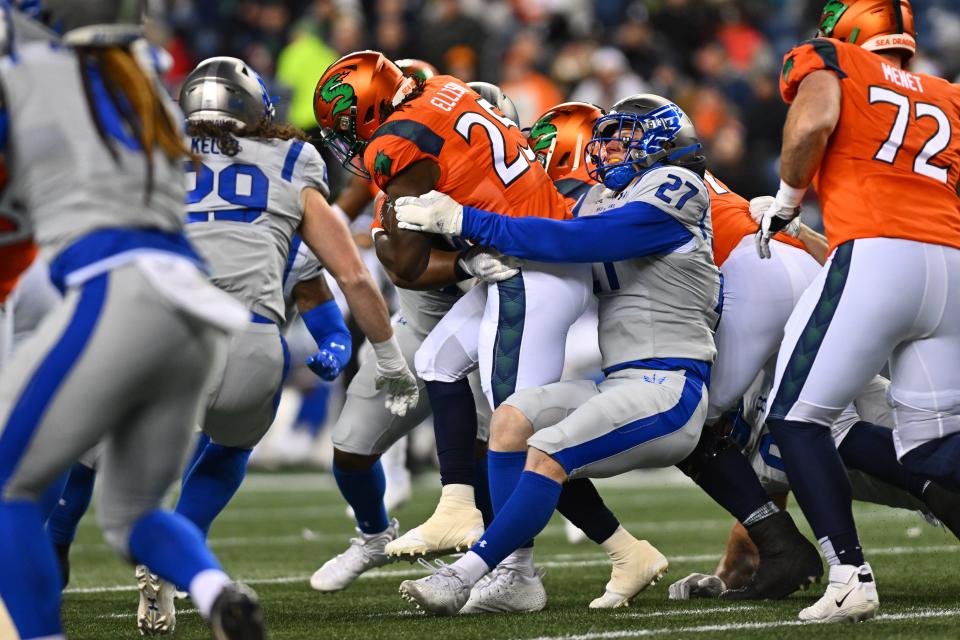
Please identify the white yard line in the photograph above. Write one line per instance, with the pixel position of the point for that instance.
(559, 561)
(741, 626)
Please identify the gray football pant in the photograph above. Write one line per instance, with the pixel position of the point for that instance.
(366, 427)
(114, 362)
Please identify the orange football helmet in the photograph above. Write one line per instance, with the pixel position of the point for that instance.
(875, 25)
(353, 97)
(420, 69)
(560, 135)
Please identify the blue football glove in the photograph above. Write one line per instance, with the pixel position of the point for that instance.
(325, 363)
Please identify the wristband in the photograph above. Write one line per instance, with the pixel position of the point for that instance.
(389, 354)
(790, 197)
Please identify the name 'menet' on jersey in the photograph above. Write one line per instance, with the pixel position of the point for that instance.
(892, 165)
(244, 210)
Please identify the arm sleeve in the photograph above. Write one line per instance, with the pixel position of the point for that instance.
(818, 54)
(631, 231)
(325, 323)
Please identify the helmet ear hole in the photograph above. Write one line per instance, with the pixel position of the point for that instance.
(368, 116)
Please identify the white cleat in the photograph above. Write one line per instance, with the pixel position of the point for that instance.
(507, 590)
(642, 567)
(156, 614)
(851, 596)
(363, 554)
(455, 525)
(443, 593)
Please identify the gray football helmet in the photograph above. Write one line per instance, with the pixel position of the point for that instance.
(495, 96)
(93, 23)
(225, 89)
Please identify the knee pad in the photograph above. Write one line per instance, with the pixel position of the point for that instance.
(709, 446)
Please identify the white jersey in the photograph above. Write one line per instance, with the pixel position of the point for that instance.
(244, 210)
(64, 174)
(659, 306)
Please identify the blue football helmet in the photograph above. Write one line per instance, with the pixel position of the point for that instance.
(652, 130)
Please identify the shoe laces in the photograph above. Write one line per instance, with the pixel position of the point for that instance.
(440, 570)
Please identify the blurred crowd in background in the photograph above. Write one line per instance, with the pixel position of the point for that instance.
(718, 59)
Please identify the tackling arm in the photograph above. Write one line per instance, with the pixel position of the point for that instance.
(636, 229)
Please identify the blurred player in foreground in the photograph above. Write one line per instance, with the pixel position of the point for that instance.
(137, 332)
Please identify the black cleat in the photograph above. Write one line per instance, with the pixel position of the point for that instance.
(944, 505)
(63, 559)
(788, 561)
(236, 615)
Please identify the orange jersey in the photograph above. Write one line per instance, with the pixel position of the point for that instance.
(574, 185)
(730, 214)
(892, 165)
(483, 158)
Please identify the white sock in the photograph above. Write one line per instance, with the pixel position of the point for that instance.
(471, 568)
(205, 587)
(521, 559)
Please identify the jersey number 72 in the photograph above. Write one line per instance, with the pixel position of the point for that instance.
(936, 144)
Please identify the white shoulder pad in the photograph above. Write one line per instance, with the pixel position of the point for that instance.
(674, 190)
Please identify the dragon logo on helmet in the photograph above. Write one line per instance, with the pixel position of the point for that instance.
(337, 93)
(542, 132)
(831, 15)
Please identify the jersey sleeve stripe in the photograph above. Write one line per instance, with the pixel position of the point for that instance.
(416, 132)
(571, 187)
(290, 162)
(828, 54)
(291, 258)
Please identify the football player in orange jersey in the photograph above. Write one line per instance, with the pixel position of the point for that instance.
(414, 137)
(746, 340)
(881, 146)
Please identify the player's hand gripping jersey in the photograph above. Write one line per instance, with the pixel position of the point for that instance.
(892, 165)
(731, 220)
(483, 158)
(243, 212)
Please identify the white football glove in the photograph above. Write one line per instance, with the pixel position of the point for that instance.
(433, 212)
(395, 377)
(758, 207)
(778, 214)
(488, 264)
(697, 585)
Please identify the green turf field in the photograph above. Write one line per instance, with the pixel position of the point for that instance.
(281, 527)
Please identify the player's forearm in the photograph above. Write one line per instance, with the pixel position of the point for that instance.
(815, 243)
(635, 230)
(441, 272)
(367, 305)
(810, 122)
